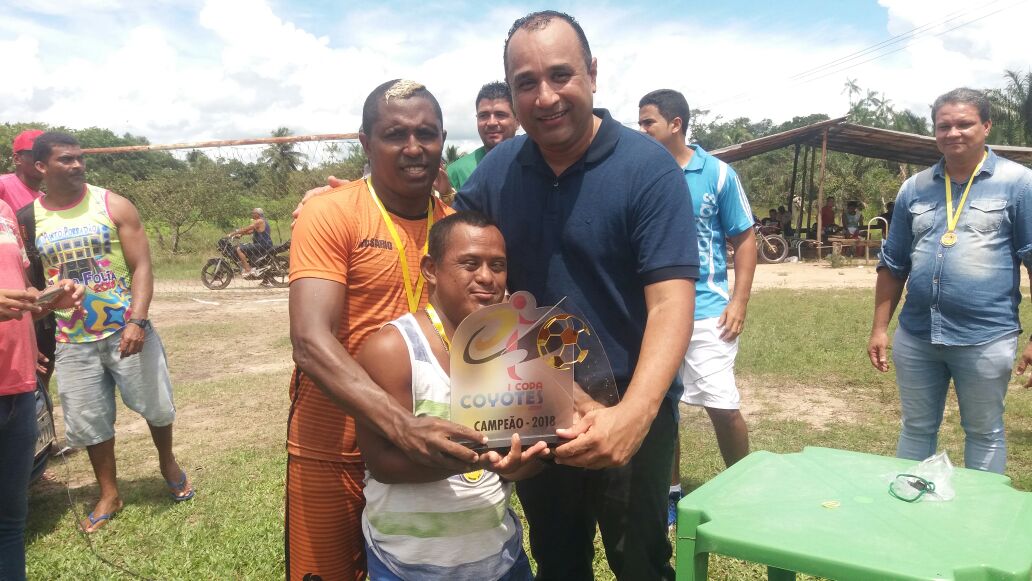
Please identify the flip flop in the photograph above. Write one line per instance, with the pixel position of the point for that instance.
(97, 522)
(181, 491)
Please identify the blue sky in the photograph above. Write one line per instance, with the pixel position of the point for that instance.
(185, 70)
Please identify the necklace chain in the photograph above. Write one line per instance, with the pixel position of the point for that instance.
(435, 322)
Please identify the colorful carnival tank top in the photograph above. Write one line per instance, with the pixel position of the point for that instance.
(81, 242)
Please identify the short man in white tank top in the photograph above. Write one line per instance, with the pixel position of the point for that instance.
(431, 523)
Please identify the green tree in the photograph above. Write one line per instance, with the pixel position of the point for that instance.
(114, 168)
(280, 160)
(715, 133)
(8, 131)
(1028, 113)
(852, 89)
(353, 165)
(910, 122)
(1009, 114)
(246, 176)
(175, 201)
(451, 153)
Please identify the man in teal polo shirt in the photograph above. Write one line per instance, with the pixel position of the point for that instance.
(495, 123)
(721, 212)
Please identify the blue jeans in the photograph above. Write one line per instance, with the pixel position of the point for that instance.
(17, 447)
(378, 571)
(980, 375)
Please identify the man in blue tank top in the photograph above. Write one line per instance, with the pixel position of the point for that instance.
(261, 240)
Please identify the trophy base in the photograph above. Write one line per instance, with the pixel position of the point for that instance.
(505, 443)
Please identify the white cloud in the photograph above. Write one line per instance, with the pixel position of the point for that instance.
(204, 69)
(974, 55)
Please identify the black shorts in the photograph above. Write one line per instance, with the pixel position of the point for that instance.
(254, 251)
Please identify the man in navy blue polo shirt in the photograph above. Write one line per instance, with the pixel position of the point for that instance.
(599, 214)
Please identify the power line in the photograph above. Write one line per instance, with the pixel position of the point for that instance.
(910, 34)
(909, 43)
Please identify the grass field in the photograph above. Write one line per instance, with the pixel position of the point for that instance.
(803, 371)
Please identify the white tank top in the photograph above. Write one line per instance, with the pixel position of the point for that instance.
(457, 528)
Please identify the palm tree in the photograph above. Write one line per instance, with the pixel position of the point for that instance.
(451, 153)
(910, 122)
(1009, 111)
(281, 158)
(852, 88)
(1028, 113)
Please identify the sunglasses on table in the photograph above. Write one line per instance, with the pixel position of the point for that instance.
(910, 488)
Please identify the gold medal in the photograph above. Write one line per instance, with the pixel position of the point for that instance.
(413, 295)
(953, 216)
(435, 321)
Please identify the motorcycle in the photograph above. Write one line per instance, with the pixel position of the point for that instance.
(272, 268)
(46, 441)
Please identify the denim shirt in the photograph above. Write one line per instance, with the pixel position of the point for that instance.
(968, 293)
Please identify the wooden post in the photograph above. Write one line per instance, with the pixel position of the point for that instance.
(791, 188)
(820, 191)
(807, 192)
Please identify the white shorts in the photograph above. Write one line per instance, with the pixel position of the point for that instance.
(708, 369)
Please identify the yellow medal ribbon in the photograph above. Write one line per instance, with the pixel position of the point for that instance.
(952, 218)
(413, 297)
(431, 313)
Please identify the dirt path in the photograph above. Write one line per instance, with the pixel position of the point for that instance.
(807, 275)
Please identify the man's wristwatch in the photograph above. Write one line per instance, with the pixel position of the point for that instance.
(141, 323)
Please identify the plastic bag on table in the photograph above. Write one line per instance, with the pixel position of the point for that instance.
(931, 479)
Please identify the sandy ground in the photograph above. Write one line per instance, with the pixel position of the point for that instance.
(798, 275)
(804, 275)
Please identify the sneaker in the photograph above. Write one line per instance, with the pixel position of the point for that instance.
(672, 508)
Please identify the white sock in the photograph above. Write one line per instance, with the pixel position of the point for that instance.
(675, 488)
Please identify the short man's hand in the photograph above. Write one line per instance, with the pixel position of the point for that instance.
(132, 340)
(41, 363)
(332, 182)
(732, 320)
(433, 442)
(604, 437)
(516, 459)
(16, 302)
(1023, 362)
(72, 296)
(877, 350)
(442, 183)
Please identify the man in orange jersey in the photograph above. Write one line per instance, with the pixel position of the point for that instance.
(355, 266)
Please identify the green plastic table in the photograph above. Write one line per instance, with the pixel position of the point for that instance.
(770, 509)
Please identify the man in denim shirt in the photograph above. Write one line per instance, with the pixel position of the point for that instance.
(961, 266)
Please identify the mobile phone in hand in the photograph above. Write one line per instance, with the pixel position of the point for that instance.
(49, 295)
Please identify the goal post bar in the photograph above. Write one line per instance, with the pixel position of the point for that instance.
(222, 143)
